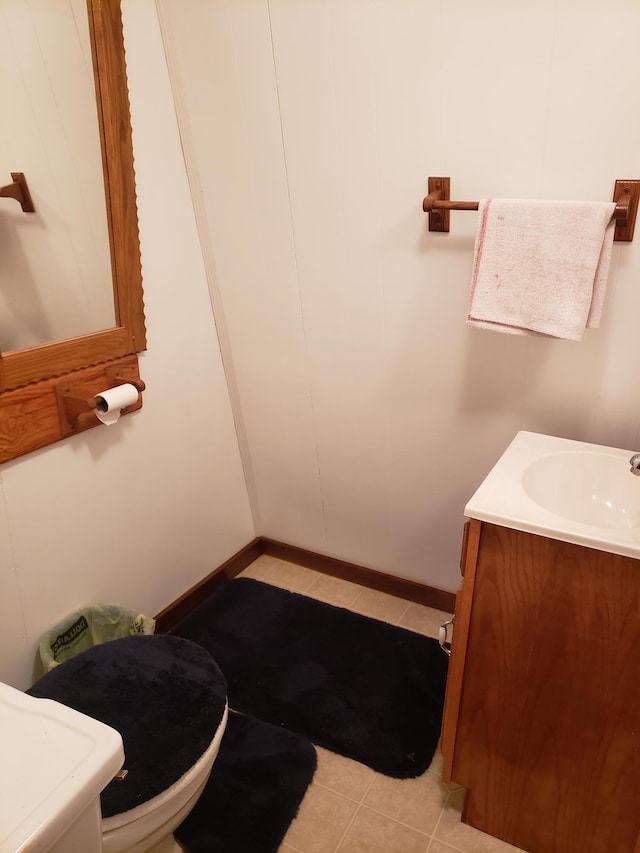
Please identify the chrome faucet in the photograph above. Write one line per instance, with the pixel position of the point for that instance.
(635, 464)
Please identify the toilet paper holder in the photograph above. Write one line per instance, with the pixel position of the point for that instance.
(77, 401)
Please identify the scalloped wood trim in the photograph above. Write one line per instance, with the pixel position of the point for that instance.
(30, 417)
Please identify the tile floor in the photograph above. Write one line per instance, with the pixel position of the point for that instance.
(348, 807)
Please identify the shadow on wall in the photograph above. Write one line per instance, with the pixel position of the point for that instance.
(23, 319)
(554, 386)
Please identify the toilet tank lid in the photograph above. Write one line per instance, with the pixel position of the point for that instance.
(55, 761)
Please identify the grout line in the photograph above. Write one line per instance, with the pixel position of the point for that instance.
(347, 828)
(339, 793)
(402, 615)
(309, 585)
(359, 801)
(396, 820)
(355, 814)
(368, 788)
(363, 805)
(354, 761)
(447, 846)
(438, 822)
(356, 598)
(301, 591)
(329, 599)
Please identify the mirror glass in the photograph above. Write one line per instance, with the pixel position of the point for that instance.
(55, 264)
(90, 187)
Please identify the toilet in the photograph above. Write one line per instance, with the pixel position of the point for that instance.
(167, 698)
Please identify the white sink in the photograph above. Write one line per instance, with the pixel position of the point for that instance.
(568, 490)
(591, 487)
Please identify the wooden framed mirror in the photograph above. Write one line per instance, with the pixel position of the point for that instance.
(30, 374)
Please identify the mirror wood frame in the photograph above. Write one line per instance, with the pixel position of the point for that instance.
(37, 364)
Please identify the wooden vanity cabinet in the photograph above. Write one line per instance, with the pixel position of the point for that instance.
(542, 712)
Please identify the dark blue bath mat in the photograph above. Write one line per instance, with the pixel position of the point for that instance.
(256, 786)
(357, 686)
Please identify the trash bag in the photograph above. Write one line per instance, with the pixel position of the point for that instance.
(89, 627)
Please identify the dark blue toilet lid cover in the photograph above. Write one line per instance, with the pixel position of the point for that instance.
(165, 695)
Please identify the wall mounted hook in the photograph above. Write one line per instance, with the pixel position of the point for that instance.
(19, 190)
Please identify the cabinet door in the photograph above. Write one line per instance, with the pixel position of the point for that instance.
(547, 738)
(464, 598)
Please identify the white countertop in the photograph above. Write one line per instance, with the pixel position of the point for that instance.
(502, 497)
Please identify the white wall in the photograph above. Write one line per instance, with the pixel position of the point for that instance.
(369, 411)
(139, 512)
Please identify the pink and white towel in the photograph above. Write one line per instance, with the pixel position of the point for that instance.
(540, 267)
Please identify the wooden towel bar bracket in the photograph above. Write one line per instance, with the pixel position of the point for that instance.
(438, 203)
(19, 190)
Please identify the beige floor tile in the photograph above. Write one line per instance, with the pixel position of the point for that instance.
(334, 591)
(371, 832)
(321, 821)
(396, 816)
(280, 573)
(436, 768)
(423, 620)
(439, 847)
(436, 764)
(414, 802)
(459, 835)
(342, 775)
(379, 605)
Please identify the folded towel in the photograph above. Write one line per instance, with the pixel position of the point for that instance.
(540, 267)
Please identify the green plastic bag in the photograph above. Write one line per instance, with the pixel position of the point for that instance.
(89, 627)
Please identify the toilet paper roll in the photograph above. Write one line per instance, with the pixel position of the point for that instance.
(111, 402)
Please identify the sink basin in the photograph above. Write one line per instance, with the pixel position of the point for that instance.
(590, 487)
(568, 490)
